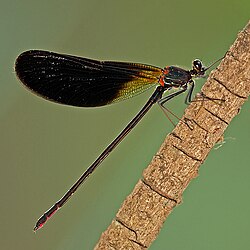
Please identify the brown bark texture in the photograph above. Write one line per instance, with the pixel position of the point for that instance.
(144, 211)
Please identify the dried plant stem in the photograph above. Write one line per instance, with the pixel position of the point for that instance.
(144, 211)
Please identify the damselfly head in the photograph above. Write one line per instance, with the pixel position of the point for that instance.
(198, 69)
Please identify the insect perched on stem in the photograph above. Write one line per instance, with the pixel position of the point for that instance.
(83, 82)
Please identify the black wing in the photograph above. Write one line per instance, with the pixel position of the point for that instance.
(80, 81)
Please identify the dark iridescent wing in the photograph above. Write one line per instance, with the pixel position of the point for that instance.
(80, 81)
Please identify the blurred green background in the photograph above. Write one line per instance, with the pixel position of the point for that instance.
(44, 147)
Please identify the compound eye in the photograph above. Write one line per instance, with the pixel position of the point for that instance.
(197, 65)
